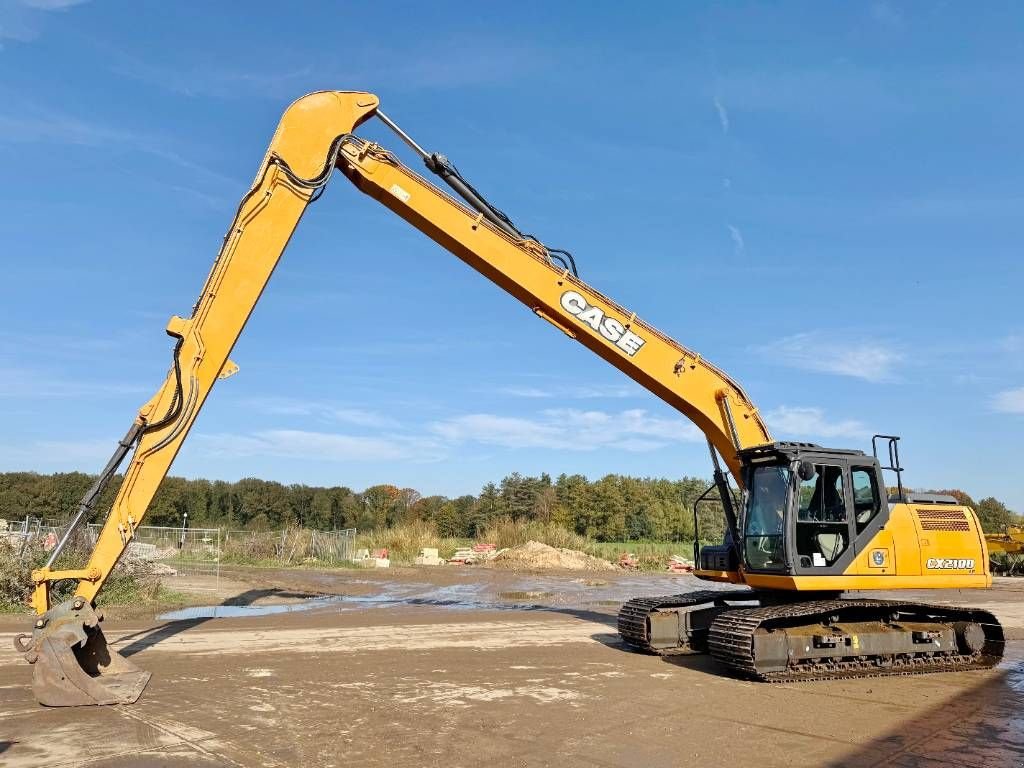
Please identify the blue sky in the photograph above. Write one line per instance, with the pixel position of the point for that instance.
(824, 199)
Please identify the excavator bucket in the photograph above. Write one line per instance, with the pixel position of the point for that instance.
(72, 664)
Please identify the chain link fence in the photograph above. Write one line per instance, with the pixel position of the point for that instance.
(18, 533)
(184, 553)
(199, 552)
(290, 546)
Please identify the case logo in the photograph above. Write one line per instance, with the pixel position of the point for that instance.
(946, 564)
(610, 328)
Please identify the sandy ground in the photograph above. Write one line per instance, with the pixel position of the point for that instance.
(471, 667)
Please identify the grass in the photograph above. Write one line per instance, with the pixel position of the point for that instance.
(132, 581)
(650, 555)
(512, 533)
(404, 542)
(131, 585)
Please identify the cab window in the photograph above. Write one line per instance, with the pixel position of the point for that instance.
(822, 528)
(821, 497)
(766, 511)
(867, 502)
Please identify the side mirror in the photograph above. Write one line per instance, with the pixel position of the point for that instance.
(806, 471)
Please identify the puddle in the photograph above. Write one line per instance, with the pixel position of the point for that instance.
(529, 593)
(235, 611)
(524, 595)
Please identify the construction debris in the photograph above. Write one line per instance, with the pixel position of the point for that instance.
(428, 556)
(679, 564)
(533, 555)
(377, 559)
(478, 553)
(462, 556)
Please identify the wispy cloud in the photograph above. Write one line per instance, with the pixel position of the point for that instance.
(22, 20)
(723, 114)
(33, 385)
(57, 455)
(27, 123)
(574, 391)
(569, 429)
(886, 15)
(326, 411)
(436, 63)
(865, 359)
(959, 206)
(825, 92)
(805, 422)
(213, 80)
(313, 446)
(1009, 401)
(739, 247)
(52, 5)
(1013, 343)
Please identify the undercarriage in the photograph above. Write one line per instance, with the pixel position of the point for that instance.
(779, 637)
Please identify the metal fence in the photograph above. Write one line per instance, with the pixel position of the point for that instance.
(290, 546)
(200, 551)
(179, 554)
(19, 532)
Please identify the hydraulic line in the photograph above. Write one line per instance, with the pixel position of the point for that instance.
(441, 166)
(139, 428)
(85, 506)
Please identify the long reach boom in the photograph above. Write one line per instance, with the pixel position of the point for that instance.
(813, 523)
(313, 138)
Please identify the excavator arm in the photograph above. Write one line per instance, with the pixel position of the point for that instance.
(73, 664)
(524, 268)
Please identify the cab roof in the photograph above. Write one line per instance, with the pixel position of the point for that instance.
(787, 451)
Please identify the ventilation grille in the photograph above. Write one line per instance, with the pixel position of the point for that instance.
(943, 520)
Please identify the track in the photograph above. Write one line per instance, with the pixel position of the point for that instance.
(733, 631)
(634, 615)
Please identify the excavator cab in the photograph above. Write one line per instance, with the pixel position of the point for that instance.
(813, 524)
(807, 508)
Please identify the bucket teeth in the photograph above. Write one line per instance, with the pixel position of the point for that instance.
(73, 665)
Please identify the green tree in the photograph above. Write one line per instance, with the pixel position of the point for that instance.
(517, 496)
(447, 523)
(993, 515)
(383, 503)
(572, 493)
(486, 510)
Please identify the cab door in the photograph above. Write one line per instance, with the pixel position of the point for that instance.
(822, 530)
(876, 547)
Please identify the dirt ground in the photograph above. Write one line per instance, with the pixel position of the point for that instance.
(471, 667)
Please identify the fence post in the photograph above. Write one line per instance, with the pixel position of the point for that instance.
(220, 552)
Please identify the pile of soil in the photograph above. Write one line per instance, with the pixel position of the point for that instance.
(536, 556)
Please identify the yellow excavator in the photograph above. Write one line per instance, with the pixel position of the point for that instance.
(1006, 551)
(808, 523)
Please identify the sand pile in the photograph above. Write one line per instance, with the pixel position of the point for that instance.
(534, 555)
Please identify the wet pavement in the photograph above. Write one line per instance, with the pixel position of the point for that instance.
(242, 611)
(469, 667)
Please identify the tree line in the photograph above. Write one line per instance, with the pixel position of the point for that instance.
(613, 508)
